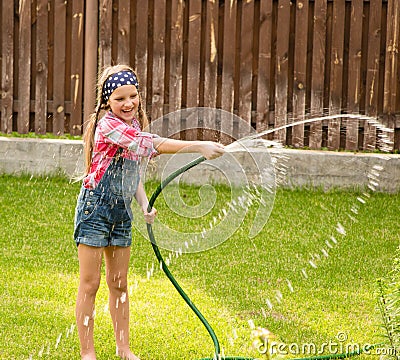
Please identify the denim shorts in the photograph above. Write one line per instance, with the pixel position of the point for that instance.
(103, 216)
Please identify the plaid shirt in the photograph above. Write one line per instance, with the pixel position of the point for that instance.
(111, 134)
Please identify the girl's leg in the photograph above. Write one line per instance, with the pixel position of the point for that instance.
(90, 259)
(117, 263)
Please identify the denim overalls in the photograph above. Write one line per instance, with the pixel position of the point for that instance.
(103, 215)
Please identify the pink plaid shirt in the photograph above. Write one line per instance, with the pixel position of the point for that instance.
(111, 134)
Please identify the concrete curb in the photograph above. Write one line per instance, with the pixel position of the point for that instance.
(40, 156)
(297, 168)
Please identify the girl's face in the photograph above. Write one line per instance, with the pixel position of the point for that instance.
(124, 102)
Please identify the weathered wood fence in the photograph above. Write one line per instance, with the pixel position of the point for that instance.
(271, 62)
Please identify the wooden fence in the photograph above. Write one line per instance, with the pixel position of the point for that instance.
(271, 62)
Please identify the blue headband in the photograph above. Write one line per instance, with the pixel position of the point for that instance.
(116, 80)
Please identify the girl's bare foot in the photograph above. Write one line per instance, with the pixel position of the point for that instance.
(126, 355)
(88, 357)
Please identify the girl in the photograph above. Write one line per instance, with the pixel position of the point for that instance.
(114, 145)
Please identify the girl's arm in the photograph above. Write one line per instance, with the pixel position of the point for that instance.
(143, 202)
(118, 132)
(210, 150)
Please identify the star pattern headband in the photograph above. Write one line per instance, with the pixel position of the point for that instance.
(116, 80)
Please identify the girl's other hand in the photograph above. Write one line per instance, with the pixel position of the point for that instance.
(211, 150)
(149, 216)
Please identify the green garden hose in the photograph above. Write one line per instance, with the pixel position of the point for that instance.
(185, 297)
(168, 273)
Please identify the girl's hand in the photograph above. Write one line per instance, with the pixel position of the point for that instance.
(149, 216)
(211, 150)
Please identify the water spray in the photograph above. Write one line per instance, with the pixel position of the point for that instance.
(211, 332)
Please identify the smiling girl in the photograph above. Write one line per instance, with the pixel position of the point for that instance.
(114, 145)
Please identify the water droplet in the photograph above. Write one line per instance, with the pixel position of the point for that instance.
(123, 297)
(340, 229)
(289, 284)
(269, 303)
(58, 340)
(263, 312)
(304, 273)
(354, 210)
(328, 244)
(371, 187)
(40, 353)
(324, 252)
(278, 296)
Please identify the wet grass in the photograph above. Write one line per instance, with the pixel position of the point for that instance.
(267, 280)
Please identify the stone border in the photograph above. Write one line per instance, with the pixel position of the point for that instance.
(304, 168)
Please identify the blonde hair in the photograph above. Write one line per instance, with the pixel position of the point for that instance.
(91, 123)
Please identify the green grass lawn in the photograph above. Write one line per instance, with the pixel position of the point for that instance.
(280, 280)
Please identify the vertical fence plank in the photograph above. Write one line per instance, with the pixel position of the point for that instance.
(282, 67)
(77, 68)
(373, 57)
(141, 53)
(391, 66)
(318, 70)
(41, 67)
(391, 56)
(246, 60)
(123, 31)
(59, 67)
(228, 69)
(24, 64)
(91, 60)
(7, 65)
(300, 72)
(264, 65)
(175, 82)
(192, 74)
(372, 78)
(105, 32)
(336, 75)
(354, 73)
(211, 55)
(158, 60)
(228, 62)
(193, 56)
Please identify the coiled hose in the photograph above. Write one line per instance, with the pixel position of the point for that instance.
(185, 297)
